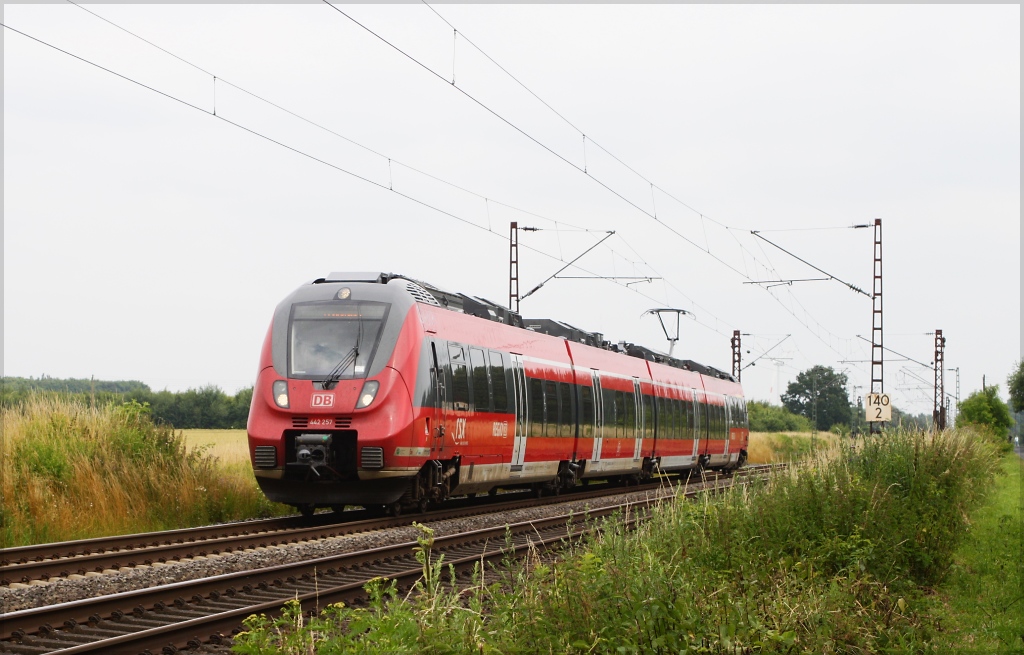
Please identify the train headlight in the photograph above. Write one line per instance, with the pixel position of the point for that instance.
(368, 393)
(281, 393)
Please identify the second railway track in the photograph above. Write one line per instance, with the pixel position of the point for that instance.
(45, 562)
(172, 616)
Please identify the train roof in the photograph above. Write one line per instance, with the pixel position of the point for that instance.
(429, 294)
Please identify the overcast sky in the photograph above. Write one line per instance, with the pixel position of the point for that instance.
(148, 239)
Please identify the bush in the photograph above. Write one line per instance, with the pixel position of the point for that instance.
(985, 408)
(823, 559)
(764, 417)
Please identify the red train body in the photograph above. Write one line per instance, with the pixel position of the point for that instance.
(378, 390)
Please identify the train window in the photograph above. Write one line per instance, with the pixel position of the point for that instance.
(499, 386)
(648, 402)
(334, 338)
(551, 408)
(536, 407)
(659, 403)
(672, 416)
(629, 416)
(586, 413)
(608, 404)
(700, 413)
(679, 431)
(481, 387)
(620, 413)
(567, 397)
(460, 377)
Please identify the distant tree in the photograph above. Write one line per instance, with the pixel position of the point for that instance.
(820, 394)
(240, 408)
(920, 421)
(1015, 385)
(985, 408)
(765, 417)
(206, 407)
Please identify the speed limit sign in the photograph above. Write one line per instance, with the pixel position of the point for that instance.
(878, 407)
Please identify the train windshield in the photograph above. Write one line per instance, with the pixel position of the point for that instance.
(334, 339)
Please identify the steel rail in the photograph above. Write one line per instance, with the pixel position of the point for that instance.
(310, 579)
(45, 561)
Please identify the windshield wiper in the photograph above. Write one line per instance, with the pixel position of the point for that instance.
(346, 361)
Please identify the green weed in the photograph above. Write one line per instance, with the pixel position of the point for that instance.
(71, 471)
(833, 556)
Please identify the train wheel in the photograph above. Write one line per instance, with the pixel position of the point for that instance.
(306, 510)
(394, 509)
(337, 509)
(423, 505)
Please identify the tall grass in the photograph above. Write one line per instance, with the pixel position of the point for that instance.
(832, 556)
(71, 472)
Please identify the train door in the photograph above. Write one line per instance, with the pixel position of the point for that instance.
(440, 413)
(638, 413)
(728, 424)
(599, 411)
(698, 418)
(522, 419)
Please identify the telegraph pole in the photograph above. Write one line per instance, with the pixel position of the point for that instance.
(513, 267)
(877, 383)
(938, 406)
(735, 341)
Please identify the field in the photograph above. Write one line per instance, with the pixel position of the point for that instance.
(229, 447)
(979, 607)
(770, 447)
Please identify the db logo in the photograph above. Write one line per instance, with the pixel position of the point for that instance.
(323, 400)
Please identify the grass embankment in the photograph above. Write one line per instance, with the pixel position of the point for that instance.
(979, 608)
(831, 557)
(72, 472)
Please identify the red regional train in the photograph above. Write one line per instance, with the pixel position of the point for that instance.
(379, 390)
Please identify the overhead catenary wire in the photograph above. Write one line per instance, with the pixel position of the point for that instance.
(487, 200)
(583, 170)
(305, 154)
(390, 185)
(757, 234)
(532, 138)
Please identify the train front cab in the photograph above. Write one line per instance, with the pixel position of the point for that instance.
(331, 421)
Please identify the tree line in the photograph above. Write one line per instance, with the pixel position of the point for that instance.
(817, 399)
(206, 407)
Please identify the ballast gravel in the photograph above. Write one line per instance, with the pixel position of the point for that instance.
(143, 577)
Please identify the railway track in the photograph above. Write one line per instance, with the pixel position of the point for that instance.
(172, 616)
(46, 562)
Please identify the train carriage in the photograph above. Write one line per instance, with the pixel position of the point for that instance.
(378, 390)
